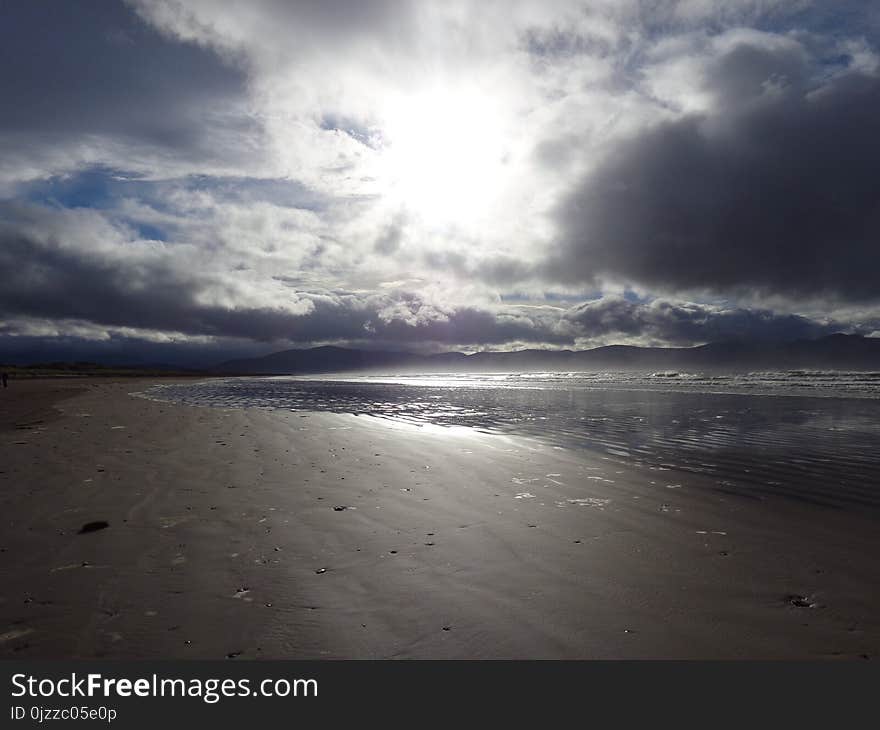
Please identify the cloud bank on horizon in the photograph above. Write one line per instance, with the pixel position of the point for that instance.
(188, 180)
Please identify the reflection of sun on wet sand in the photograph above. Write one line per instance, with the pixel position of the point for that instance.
(276, 534)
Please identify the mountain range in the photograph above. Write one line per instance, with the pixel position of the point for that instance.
(834, 352)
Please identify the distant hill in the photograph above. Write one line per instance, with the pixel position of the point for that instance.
(835, 352)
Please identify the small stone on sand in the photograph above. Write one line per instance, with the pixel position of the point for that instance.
(93, 526)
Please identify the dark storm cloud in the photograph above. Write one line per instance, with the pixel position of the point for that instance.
(687, 323)
(53, 272)
(150, 154)
(72, 70)
(499, 269)
(158, 288)
(773, 192)
(54, 282)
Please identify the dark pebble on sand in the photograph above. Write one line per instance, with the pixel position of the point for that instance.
(93, 526)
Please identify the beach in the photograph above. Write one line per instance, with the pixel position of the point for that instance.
(249, 533)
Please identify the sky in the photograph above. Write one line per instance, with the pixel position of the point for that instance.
(187, 181)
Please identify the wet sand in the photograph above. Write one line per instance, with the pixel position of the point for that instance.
(246, 533)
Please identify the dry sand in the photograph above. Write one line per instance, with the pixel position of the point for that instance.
(226, 538)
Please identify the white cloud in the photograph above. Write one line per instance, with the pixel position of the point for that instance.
(373, 166)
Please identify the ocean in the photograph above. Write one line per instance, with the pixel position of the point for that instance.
(806, 435)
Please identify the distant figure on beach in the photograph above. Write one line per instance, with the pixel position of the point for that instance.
(5, 377)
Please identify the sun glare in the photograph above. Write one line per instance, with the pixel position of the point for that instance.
(443, 158)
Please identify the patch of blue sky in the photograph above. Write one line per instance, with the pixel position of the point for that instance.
(99, 188)
(103, 188)
(96, 187)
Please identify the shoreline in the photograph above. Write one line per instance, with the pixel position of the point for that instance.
(450, 545)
